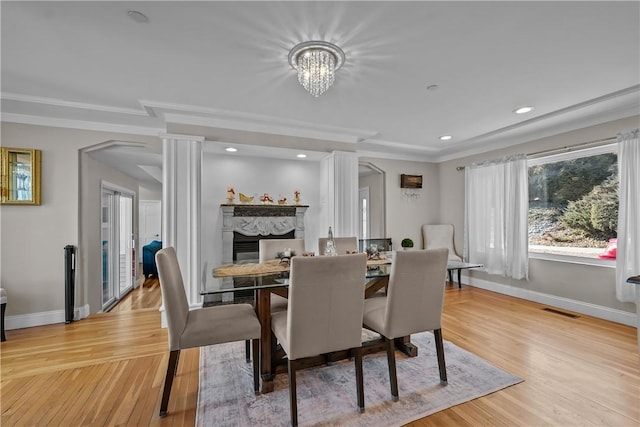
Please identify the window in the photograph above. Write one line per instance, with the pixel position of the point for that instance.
(573, 203)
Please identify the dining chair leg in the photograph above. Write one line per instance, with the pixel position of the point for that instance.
(391, 360)
(168, 381)
(293, 402)
(357, 352)
(256, 365)
(247, 351)
(437, 334)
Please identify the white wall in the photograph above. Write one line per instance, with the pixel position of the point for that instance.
(250, 175)
(32, 238)
(89, 278)
(405, 215)
(579, 287)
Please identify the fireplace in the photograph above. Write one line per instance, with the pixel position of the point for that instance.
(243, 226)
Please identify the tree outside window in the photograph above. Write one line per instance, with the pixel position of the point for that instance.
(573, 203)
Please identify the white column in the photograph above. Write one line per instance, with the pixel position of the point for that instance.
(340, 196)
(181, 200)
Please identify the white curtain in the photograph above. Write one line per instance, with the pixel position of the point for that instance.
(628, 251)
(496, 208)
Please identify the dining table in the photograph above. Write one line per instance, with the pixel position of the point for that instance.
(271, 277)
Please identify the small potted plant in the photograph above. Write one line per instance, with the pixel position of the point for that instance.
(406, 243)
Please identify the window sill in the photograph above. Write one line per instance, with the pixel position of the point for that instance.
(609, 263)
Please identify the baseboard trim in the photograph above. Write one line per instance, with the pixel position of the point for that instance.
(30, 320)
(601, 312)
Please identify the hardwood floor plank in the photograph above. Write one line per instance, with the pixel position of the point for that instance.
(109, 369)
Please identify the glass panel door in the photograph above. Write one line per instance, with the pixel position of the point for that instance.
(118, 257)
(108, 244)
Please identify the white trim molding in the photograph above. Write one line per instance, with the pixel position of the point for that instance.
(601, 312)
(30, 320)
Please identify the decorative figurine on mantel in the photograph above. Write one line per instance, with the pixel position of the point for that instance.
(266, 199)
(282, 200)
(231, 195)
(245, 199)
(296, 197)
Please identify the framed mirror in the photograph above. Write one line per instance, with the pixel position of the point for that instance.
(20, 178)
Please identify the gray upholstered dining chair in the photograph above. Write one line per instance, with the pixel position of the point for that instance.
(413, 304)
(344, 245)
(326, 299)
(199, 327)
(268, 250)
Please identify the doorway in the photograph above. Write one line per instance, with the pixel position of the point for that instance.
(118, 254)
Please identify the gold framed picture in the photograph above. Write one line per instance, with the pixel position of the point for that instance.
(20, 176)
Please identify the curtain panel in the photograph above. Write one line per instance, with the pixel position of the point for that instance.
(496, 210)
(628, 252)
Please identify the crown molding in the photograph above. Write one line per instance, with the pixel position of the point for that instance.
(80, 124)
(73, 104)
(212, 117)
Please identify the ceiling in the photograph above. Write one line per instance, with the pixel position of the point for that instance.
(220, 70)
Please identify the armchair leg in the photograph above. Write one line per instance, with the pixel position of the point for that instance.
(357, 352)
(247, 350)
(168, 381)
(391, 360)
(256, 365)
(293, 394)
(437, 334)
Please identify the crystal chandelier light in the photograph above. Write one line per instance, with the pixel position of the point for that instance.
(316, 63)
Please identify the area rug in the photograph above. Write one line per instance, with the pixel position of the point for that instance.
(327, 394)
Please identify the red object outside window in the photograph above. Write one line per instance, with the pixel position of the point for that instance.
(610, 251)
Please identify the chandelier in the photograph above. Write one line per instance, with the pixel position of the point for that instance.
(316, 63)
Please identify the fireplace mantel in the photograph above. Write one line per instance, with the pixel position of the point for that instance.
(259, 220)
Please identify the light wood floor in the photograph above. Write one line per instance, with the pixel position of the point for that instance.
(109, 369)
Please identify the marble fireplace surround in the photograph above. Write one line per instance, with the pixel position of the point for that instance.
(259, 220)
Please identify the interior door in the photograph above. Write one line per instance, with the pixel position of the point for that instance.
(365, 214)
(149, 223)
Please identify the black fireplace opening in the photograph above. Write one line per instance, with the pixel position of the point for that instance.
(246, 249)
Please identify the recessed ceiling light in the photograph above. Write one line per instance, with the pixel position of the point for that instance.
(231, 149)
(139, 17)
(445, 137)
(523, 110)
(432, 87)
(301, 156)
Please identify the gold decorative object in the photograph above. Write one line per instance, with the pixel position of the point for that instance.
(245, 199)
(282, 201)
(20, 176)
(296, 197)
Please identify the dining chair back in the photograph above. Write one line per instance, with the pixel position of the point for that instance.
(413, 304)
(344, 245)
(269, 248)
(202, 326)
(440, 236)
(326, 300)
